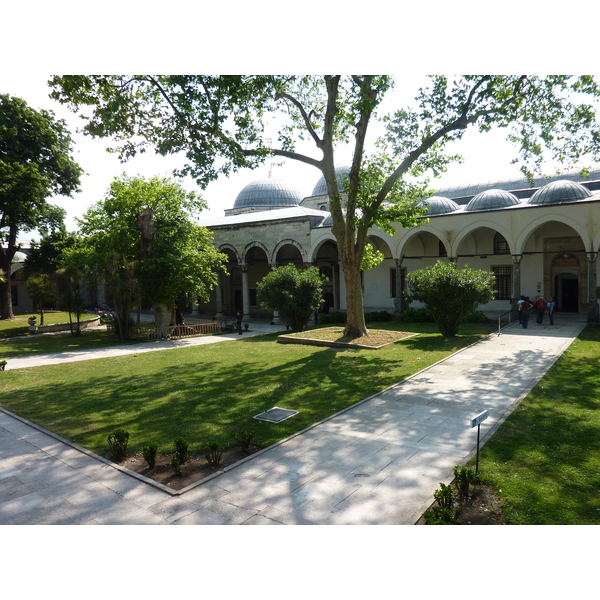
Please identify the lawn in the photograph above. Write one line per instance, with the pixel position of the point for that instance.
(210, 393)
(545, 458)
(19, 326)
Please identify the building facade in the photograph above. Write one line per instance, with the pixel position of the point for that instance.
(540, 240)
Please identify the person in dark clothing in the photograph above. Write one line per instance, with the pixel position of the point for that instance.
(238, 321)
(540, 306)
(525, 308)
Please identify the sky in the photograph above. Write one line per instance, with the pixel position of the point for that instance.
(487, 156)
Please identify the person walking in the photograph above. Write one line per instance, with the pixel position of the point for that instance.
(520, 309)
(551, 306)
(540, 306)
(525, 308)
(238, 321)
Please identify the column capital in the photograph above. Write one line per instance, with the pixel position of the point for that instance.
(517, 258)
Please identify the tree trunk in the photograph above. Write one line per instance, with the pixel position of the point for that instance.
(355, 316)
(6, 311)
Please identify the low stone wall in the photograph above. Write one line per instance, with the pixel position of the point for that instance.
(66, 326)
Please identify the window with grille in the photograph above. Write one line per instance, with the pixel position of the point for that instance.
(503, 285)
(500, 244)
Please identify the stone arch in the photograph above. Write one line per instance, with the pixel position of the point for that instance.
(421, 240)
(229, 248)
(288, 242)
(534, 225)
(249, 247)
(461, 239)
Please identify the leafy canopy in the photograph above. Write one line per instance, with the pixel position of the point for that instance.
(450, 293)
(294, 293)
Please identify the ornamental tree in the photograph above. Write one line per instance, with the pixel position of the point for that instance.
(224, 117)
(141, 238)
(41, 291)
(450, 293)
(294, 293)
(35, 163)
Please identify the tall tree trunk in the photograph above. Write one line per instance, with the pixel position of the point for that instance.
(6, 311)
(355, 316)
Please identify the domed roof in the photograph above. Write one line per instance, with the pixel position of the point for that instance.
(490, 199)
(19, 257)
(268, 193)
(320, 188)
(559, 192)
(438, 205)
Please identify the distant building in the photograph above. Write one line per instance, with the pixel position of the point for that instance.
(541, 240)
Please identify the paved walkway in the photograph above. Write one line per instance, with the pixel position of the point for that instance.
(377, 462)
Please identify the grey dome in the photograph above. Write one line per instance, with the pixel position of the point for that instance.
(19, 257)
(320, 188)
(491, 199)
(269, 193)
(438, 205)
(559, 192)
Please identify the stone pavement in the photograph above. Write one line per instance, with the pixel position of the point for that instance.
(377, 462)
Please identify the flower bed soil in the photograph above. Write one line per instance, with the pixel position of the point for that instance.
(192, 471)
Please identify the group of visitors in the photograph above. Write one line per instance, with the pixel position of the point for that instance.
(524, 305)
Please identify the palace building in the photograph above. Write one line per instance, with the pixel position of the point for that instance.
(540, 240)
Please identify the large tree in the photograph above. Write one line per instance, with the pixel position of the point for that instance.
(450, 293)
(35, 164)
(224, 117)
(142, 240)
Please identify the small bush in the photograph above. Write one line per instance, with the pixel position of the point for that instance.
(439, 515)
(244, 439)
(378, 316)
(214, 454)
(149, 454)
(2, 365)
(416, 315)
(181, 450)
(334, 318)
(476, 317)
(464, 478)
(176, 465)
(118, 441)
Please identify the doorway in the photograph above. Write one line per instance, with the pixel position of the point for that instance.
(567, 293)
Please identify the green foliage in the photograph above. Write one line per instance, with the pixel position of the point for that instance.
(3, 364)
(176, 464)
(214, 454)
(464, 478)
(378, 316)
(244, 439)
(333, 318)
(439, 515)
(450, 293)
(41, 291)
(476, 316)
(143, 240)
(181, 450)
(74, 302)
(295, 293)
(149, 453)
(35, 163)
(416, 315)
(118, 442)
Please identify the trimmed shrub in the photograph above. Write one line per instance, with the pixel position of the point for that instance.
(244, 439)
(149, 454)
(117, 442)
(378, 316)
(181, 451)
(214, 454)
(416, 315)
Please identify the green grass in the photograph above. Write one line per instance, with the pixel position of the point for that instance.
(65, 342)
(545, 458)
(19, 326)
(210, 393)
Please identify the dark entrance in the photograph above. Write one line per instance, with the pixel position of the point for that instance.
(568, 294)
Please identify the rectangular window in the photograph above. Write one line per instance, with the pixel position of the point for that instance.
(15, 296)
(392, 283)
(500, 245)
(252, 296)
(503, 285)
(441, 249)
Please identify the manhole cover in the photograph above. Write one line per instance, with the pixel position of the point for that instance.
(276, 414)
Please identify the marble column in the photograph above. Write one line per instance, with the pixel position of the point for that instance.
(245, 293)
(592, 314)
(516, 291)
(399, 301)
(219, 296)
